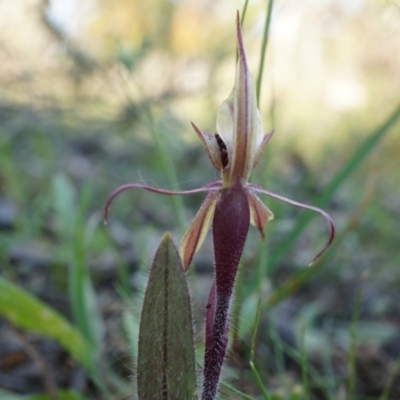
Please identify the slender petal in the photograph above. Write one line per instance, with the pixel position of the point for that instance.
(225, 127)
(197, 231)
(261, 149)
(211, 146)
(259, 189)
(260, 214)
(211, 187)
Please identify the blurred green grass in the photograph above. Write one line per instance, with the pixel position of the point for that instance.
(86, 123)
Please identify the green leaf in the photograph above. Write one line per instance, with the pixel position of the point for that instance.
(64, 202)
(27, 312)
(61, 395)
(70, 217)
(166, 360)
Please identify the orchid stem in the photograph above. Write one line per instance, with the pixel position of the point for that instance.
(264, 49)
(214, 357)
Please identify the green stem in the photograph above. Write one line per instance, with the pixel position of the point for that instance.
(262, 267)
(304, 364)
(236, 391)
(390, 380)
(251, 362)
(353, 343)
(244, 12)
(264, 49)
(241, 23)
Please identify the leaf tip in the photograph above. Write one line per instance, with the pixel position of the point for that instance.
(167, 238)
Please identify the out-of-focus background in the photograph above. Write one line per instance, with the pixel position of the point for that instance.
(97, 93)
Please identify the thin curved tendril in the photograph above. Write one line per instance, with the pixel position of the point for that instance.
(214, 186)
(260, 189)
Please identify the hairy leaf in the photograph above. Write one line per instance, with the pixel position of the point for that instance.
(166, 360)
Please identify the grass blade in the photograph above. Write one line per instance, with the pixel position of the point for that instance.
(304, 364)
(299, 279)
(61, 395)
(353, 341)
(246, 3)
(251, 362)
(25, 311)
(236, 391)
(264, 49)
(71, 222)
(357, 158)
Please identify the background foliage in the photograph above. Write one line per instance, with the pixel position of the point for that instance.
(94, 94)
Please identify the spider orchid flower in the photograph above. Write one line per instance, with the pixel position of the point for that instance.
(234, 150)
(230, 206)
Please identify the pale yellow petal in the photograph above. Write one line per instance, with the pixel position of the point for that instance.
(197, 231)
(225, 122)
(260, 214)
(225, 131)
(261, 147)
(211, 147)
